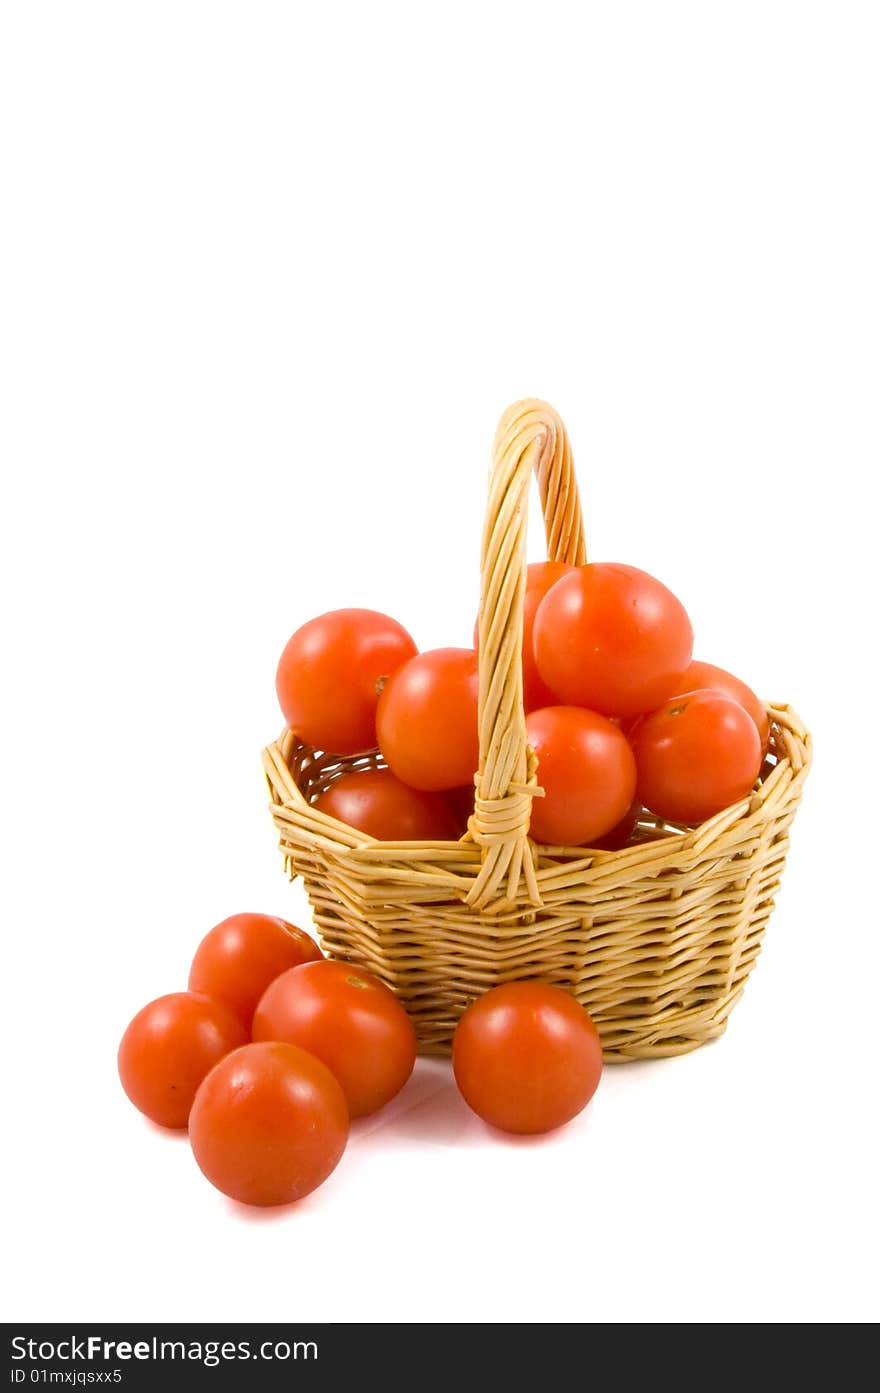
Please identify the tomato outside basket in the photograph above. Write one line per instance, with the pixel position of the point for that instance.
(655, 940)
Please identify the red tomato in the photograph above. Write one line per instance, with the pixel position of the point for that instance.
(696, 755)
(620, 834)
(331, 675)
(427, 719)
(705, 676)
(350, 1021)
(168, 1049)
(540, 577)
(612, 638)
(587, 771)
(461, 802)
(269, 1124)
(238, 958)
(526, 1057)
(376, 802)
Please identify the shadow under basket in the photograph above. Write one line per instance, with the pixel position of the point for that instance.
(655, 940)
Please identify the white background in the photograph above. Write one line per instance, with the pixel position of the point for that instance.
(270, 274)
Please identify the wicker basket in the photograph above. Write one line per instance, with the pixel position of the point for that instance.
(655, 940)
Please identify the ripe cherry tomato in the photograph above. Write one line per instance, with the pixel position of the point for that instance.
(620, 834)
(696, 755)
(376, 802)
(427, 719)
(587, 771)
(331, 675)
(705, 676)
(168, 1049)
(269, 1124)
(612, 638)
(540, 577)
(349, 1020)
(239, 957)
(461, 802)
(526, 1057)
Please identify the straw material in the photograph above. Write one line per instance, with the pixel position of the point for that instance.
(655, 940)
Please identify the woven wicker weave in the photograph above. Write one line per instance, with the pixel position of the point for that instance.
(656, 940)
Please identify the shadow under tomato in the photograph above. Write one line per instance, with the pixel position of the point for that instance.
(177, 1134)
(443, 1118)
(520, 1139)
(273, 1213)
(428, 1109)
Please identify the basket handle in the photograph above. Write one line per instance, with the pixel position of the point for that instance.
(530, 436)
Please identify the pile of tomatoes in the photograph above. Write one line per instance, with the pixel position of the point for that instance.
(273, 1049)
(619, 715)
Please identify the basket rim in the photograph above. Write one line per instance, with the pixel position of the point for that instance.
(349, 845)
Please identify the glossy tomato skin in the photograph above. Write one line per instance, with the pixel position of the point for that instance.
(587, 771)
(461, 804)
(350, 1021)
(696, 755)
(332, 672)
(612, 638)
(169, 1047)
(269, 1124)
(427, 719)
(707, 676)
(526, 1057)
(240, 956)
(617, 838)
(541, 576)
(376, 802)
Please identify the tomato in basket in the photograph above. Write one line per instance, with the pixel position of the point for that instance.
(613, 639)
(332, 673)
(622, 831)
(587, 771)
(427, 719)
(541, 576)
(376, 802)
(695, 756)
(716, 679)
